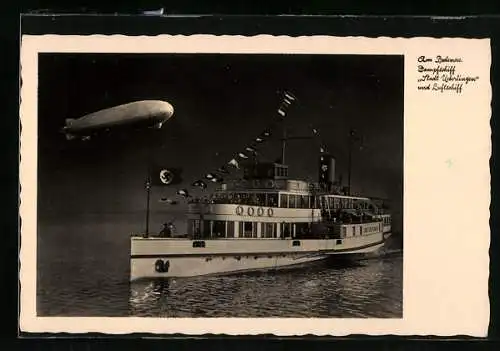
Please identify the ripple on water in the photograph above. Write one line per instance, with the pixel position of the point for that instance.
(86, 281)
(369, 290)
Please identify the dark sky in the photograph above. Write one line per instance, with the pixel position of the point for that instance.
(221, 103)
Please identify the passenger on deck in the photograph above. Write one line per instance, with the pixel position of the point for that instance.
(166, 232)
(197, 233)
(286, 231)
(272, 202)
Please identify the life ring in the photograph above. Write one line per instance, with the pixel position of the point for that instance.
(162, 267)
(271, 184)
(260, 211)
(251, 211)
(256, 183)
(239, 210)
(159, 266)
(270, 212)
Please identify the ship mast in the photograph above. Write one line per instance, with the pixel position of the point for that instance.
(283, 146)
(349, 167)
(149, 161)
(286, 138)
(353, 138)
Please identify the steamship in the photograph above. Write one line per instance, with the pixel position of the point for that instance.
(266, 221)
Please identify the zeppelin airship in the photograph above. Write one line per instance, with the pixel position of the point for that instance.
(147, 113)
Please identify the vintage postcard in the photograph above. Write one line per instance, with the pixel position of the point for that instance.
(255, 185)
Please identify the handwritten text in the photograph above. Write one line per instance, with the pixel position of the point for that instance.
(442, 74)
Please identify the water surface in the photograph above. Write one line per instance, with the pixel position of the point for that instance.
(83, 270)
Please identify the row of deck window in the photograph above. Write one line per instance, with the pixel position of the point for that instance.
(230, 229)
(288, 200)
(255, 199)
(371, 229)
(360, 230)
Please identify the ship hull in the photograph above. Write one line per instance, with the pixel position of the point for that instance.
(163, 258)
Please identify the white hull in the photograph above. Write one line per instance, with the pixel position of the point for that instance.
(222, 256)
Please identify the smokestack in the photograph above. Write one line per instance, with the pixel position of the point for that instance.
(326, 169)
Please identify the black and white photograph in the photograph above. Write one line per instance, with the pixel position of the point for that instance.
(222, 184)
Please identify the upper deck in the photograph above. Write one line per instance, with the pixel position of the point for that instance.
(266, 203)
(284, 193)
(267, 185)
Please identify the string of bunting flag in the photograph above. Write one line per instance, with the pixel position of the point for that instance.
(251, 150)
(316, 134)
(170, 177)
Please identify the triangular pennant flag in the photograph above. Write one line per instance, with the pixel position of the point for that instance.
(251, 149)
(259, 140)
(289, 96)
(284, 106)
(242, 155)
(286, 101)
(266, 133)
(217, 179)
(281, 112)
(183, 192)
(163, 176)
(200, 184)
(209, 176)
(222, 170)
(315, 131)
(322, 149)
(168, 201)
(234, 163)
(355, 137)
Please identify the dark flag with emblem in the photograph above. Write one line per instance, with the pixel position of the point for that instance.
(217, 179)
(164, 176)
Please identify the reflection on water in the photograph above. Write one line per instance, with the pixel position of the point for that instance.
(371, 288)
(83, 270)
